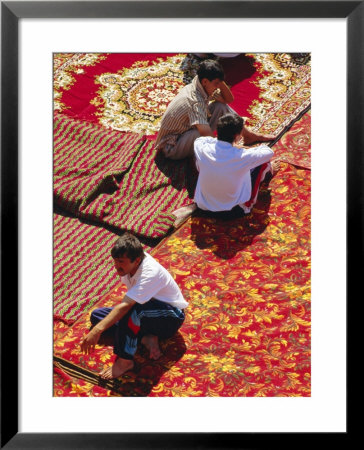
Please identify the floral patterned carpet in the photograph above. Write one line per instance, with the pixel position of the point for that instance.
(247, 331)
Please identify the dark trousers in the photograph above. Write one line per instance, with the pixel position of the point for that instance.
(153, 317)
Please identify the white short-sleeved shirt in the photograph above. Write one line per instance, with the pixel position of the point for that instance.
(152, 280)
(224, 173)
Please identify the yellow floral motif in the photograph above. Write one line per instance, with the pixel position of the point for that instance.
(174, 372)
(92, 363)
(244, 346)
(234, 332)
(158, 388)
(189, 357)
(187, 389)
(77, 389)
(282, 189)
(209, 302)
(105, 357)
(212, 359)
(253, 369)
(266, 316)
(253, 295)
(190, 284)
(248, 273)
(214, 391)
(181, 272)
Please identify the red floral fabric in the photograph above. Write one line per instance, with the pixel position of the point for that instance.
(295, 147)
(247, 329)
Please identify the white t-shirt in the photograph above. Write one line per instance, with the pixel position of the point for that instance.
(152, 280)
(224, 173)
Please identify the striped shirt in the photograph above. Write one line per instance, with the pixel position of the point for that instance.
(188, 108)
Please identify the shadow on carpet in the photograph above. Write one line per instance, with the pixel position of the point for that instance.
(138, 382)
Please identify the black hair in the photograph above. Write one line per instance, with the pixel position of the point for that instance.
(228, 126)
(128, 246)
(210, 69)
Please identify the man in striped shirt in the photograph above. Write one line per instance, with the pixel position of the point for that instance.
(195, 110)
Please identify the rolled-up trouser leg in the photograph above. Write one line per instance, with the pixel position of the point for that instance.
(184, 145)
(218, 109)
(97, 315)
(257, 176)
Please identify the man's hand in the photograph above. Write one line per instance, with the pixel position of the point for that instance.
(90, 340)
(223, 94)
(251, 138)
(239, 143)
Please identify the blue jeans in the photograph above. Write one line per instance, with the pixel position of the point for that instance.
(153, 317)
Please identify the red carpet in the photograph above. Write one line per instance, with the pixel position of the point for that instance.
(295, 147)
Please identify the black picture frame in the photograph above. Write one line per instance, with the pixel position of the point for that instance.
(11, 12)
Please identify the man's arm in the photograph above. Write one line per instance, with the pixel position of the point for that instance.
(225, 95)
(254, 157)
(91, 339)
(204, 130)
(250, 137)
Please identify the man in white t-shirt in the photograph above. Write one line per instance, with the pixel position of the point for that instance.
(225, 169)
(152, 308)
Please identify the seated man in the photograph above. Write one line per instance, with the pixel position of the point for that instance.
(226, 170)
(152, 307)
(191, 115)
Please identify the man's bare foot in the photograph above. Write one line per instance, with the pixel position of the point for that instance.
(152, 344)
(119, 367)
(181, 214)
(265, 137)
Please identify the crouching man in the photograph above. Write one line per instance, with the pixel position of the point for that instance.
(152, 308)
(229, 176)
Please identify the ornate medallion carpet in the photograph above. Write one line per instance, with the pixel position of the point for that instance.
(247, 330)
(130, 92)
